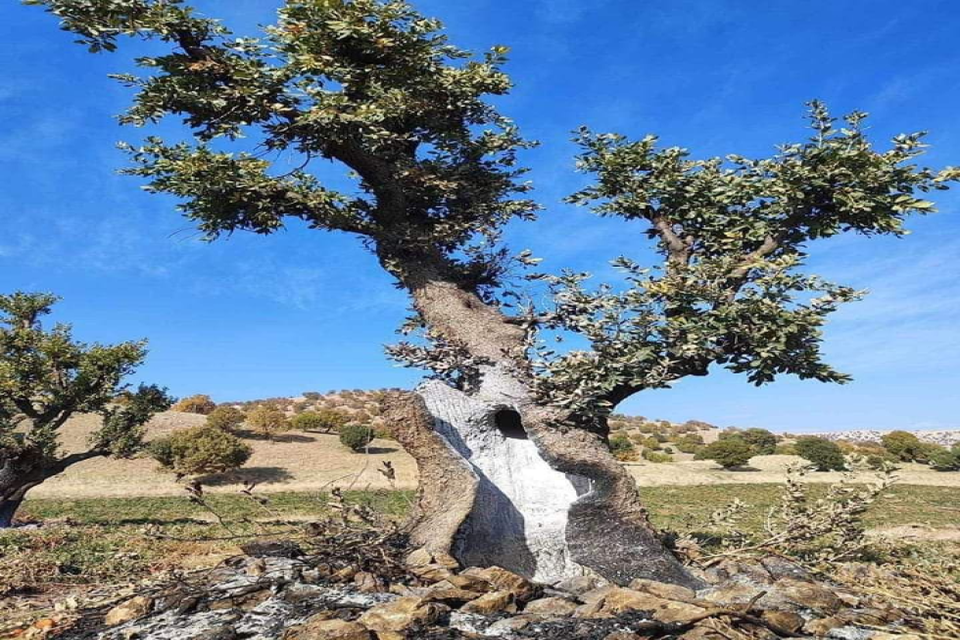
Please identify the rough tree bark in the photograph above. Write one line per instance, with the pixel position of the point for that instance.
(16, 480)
(508, 480)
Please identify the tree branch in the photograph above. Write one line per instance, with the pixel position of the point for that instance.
(677, 248)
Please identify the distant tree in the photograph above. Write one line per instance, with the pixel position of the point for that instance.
(378, 89)
(356, 437)
(729, 453)
(822, 453)
(786, 449)
(267, 420)
(763, 442)
(324, 421)
(652, 443)
(622, 447)
(904, 445)
(45, 378)
(946, 459)
(198, 403)
(689, 443)
(926, 452)
(200, 450)
(655, 456)
(226, 418)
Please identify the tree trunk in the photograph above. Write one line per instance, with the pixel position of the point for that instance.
(501, 484)
(19, 475)
(8, 507)
(506, 479)
(11, 497)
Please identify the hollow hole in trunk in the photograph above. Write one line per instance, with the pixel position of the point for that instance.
(510, 425)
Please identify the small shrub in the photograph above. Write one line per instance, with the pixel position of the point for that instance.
(690, 443)
(822, 453)
(312, 395)
(226, 418)
(902, 444)
(622, 447)
(786, 450)
(651, 443)
(356, 437)
(200, 450)
(655, 456)
(324, 421)
(946, 459)
(267, 420)
(763, 442)
(927, 451)
(198, 403)
(728, 453)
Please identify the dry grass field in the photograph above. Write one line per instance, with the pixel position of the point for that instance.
(298, 461)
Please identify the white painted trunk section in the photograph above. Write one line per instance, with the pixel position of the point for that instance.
(520, 515)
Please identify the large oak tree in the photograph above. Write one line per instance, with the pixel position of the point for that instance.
(511, 436)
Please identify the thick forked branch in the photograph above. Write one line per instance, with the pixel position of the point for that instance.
(679, 250)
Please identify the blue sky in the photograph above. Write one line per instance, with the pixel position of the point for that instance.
(304, 310)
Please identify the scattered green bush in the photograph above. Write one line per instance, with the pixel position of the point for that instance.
(946, 459)
(728, 453)
(903, 444)
(622, 447)
(651, 443)
(200, 450)
(763, 442)
(226, 417)
(690, 443)
(822, 453)
(198, 403)
(356, 437)
(927, 451)
(785, 450)
(267, 420)
(655, 456)
(324, 420)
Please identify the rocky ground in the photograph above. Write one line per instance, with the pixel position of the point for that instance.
(367, 590)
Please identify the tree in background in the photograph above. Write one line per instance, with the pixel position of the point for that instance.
(376, 88)
(763, 442)
(324, 421)
(903, 444)
(356, 437)
(729, 453)
(946, 459)
(226, 418)
(689, 443)
(200, 450)
(822, 453)
(622, 447)
(198, 403)
(267, 420)
(45, 378)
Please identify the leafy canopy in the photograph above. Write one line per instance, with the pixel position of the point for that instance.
(46, 377)
(200, 450)
(376, 87)
(824, 454)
